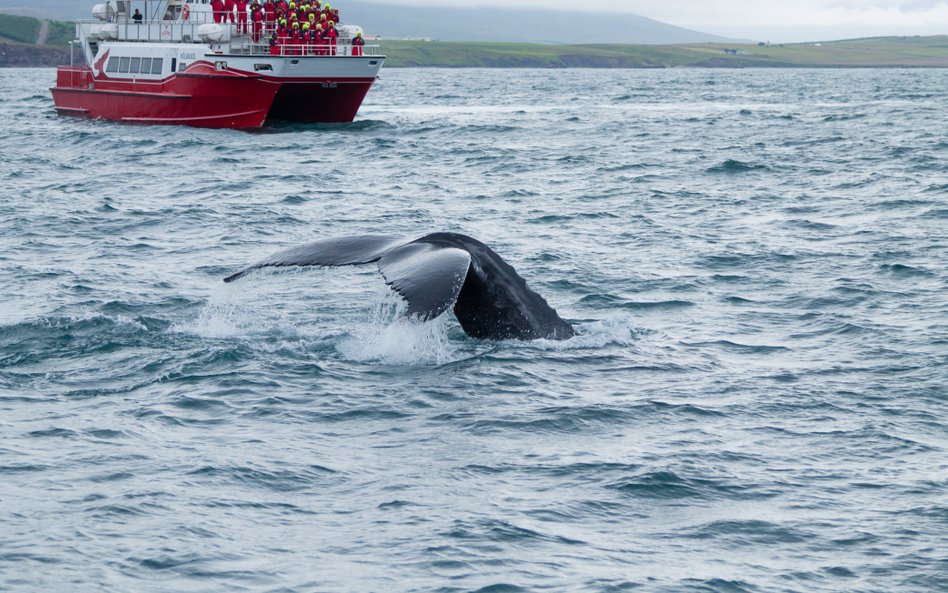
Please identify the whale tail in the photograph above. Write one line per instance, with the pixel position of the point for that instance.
(438, 272)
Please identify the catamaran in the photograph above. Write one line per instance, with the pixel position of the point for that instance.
(174, 63)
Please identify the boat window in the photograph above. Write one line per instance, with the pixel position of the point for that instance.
(156, 65)
(174, 66)
(133, 67)
(123, 65)
(182, 66)
(146, 66)
(113, 65)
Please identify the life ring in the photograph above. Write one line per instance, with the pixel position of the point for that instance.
(185, 12)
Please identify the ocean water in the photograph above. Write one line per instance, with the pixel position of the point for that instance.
(757, 400)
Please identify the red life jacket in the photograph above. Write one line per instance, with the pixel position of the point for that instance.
(241, 6)
(257, 15)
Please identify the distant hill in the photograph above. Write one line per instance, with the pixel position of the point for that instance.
(453, 24)
(528, 26)
(63, 10)
(880, 52)
(18, 37)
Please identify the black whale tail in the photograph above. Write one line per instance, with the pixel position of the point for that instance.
(437, 272)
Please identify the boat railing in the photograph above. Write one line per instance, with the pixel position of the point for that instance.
(240, 39)
(301, 49)
(157, 30)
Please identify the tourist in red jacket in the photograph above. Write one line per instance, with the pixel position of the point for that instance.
(241, 6)
(218, 7)
(357, 43)
(228, 11)
(275, 44)
(269, 12)
(295, 39)
(256, 15)
(306, 39)
(321, 40)
(332, 34)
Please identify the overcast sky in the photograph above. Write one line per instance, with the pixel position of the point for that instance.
(775, 20)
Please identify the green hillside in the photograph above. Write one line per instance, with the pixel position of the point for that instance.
(61, 33)
(22, 29)
(859, 53)
(18, 35)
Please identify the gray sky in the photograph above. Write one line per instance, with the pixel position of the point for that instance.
(775, 20)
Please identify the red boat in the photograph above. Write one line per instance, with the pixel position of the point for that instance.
(173, 64)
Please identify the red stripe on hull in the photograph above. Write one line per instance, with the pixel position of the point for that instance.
(319, 102)
(210, 99)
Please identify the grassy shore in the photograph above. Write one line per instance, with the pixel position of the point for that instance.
(18, 36)
(879, 52)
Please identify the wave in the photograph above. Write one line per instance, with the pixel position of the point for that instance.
(736, 166)
(668, 485)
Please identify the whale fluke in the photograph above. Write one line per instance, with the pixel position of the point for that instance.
(437, 272)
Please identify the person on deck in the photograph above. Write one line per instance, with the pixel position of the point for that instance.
(241, 6)
(269, 13)
(275, 44)
(137, 17)
(320, 41)
(295, 39)
(256, 15)
(357, 44)
(228, 11)
(332, 34)
(218, 7)
(306, 39)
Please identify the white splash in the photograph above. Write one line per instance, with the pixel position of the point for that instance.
(617, 329)
(390, 338)
(367, 324)
(244, 310)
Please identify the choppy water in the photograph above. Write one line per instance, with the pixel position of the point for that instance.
(756, 261)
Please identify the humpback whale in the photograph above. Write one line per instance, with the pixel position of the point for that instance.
(437, 272)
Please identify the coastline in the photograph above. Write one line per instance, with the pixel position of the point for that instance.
(881, 52)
